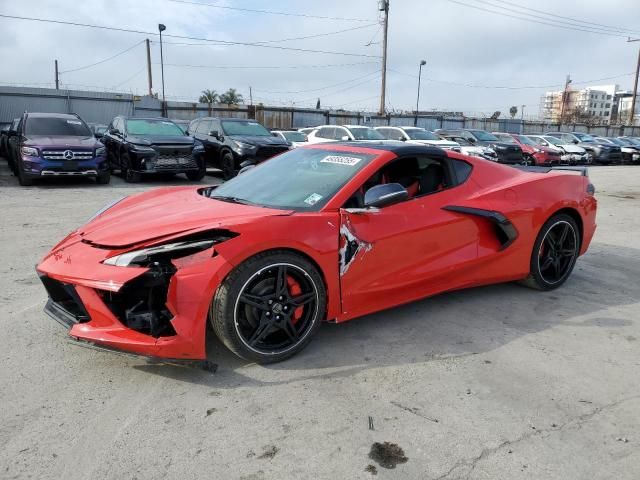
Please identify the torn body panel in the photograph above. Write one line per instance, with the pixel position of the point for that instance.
(351, 247)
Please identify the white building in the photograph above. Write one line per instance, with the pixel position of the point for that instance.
(596, 102)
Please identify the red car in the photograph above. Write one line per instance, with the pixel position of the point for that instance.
(534, 154)
(328, 232)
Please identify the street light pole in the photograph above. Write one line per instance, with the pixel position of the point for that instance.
(162, 28)
(415, 120)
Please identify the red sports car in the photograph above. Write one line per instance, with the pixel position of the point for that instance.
(328, 232)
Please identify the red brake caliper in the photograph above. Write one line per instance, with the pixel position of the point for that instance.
(295, 290)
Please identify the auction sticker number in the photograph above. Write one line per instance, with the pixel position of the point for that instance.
(340, 160)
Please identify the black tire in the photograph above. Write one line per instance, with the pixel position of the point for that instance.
(555, 252)
(196, 175)
(104, 178)
(23, 179)
(129, 175)
(249, 310)
(228, 164)
(527, 160)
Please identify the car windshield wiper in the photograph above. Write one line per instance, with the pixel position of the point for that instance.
(224, 198)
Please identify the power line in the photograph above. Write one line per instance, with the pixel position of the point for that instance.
(271, 12)
(319, 89)
(572, 23)
(608, 27)
(535, 21)
(184, 37)
(259, 67)
(103, 61)
(131, 77)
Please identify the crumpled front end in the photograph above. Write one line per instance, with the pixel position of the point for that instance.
(157, 307)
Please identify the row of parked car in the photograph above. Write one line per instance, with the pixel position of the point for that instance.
(39, 145)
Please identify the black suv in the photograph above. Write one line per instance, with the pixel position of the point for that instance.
(507, 153)
(138, 146)
(229, 142)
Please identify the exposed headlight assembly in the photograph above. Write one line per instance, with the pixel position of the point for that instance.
(170, 251)
(243, 146)
(30, 151)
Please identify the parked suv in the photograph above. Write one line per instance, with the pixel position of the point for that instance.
(507, 153)
(601, 152)
(56, 144)
(229, 142)
(139, 146)
(345, 133)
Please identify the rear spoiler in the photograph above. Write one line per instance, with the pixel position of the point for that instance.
(584, 171)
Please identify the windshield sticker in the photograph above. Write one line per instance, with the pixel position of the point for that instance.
(340, 160)
(313, 199)
(74, 122)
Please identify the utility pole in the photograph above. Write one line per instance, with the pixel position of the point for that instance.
(149, 68)
(635, 84)
(57, 76)
(162, 28)
(564, 98)
(250, 96)
(384, 8)
(415, 120)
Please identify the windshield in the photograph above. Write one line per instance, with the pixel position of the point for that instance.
(318, 174)
(143, 126)
(183, 126)
(524, 140)
(365, 133)
(483, 136)
(554, 140)
(295, 136)
(615, 141)
(249, 127)
(419, 134)
(507, 139)
(68, 127)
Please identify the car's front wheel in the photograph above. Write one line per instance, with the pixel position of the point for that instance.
(269, 307)
(228, 164)
(554, 253)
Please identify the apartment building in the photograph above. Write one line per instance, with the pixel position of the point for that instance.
(593, 103)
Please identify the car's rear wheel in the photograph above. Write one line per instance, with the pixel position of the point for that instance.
(269, 307)
(228, 165)
(554, 253)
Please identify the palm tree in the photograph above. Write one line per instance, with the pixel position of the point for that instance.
(208, 96)
(231, 97)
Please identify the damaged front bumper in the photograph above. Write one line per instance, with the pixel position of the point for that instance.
(159, 311)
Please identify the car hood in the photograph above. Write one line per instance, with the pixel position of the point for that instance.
(160, 140)
(572, 148)
(61, 141)
(167, 212)
(259, 140)
(439, 143)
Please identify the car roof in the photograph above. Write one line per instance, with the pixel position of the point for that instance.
(51, 115)
(230, 119)
(399, 148)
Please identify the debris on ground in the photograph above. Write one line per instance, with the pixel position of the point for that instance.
(371, 423)
(211, 410)
(269, 452)
(387, 455)
(622, 439)
(371, 469)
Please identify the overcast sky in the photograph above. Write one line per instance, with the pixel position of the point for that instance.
(463, 47)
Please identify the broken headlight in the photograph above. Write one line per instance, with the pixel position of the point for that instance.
(145, 256)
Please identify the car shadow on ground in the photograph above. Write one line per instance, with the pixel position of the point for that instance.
(450, 325)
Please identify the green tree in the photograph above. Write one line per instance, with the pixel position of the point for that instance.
(209, 96)
(231, 97)
(513, 111)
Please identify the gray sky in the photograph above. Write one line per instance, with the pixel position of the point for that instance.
(463, 47)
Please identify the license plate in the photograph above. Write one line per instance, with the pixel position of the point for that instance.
(70, 165)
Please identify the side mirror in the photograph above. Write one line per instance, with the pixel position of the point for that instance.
(345, 138)
(274, 134)
(576, 141)
(214, 133)
(114, 131)
(471, 140)
(385, 195)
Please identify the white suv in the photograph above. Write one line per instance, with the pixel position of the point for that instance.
(345, 133)
(418, 136)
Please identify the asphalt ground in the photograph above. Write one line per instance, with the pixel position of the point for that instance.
(499, 382)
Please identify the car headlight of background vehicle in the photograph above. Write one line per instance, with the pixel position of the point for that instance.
(240, 146)
(30, 151)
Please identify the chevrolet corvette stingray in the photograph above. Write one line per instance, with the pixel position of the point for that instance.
(328, 232)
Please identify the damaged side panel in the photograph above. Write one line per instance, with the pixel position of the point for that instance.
(351, 247)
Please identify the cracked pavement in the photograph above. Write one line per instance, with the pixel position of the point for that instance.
(499, 382)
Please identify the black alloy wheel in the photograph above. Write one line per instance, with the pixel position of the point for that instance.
(269, 307)
(228, 166)
(555, 253)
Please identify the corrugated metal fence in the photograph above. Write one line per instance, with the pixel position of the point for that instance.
(102, 107)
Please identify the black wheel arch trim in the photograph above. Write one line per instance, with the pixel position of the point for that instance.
(506, 232)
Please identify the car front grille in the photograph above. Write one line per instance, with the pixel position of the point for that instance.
(67, 154)
(64, 303)
(268, 152)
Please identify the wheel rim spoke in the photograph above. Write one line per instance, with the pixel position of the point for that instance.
(547, 263)
(303, 299)
(290, 329)
(560, 250)
(256, 301)
(261, 332)
(281, 280)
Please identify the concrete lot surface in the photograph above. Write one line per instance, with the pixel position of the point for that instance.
(500, 382)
